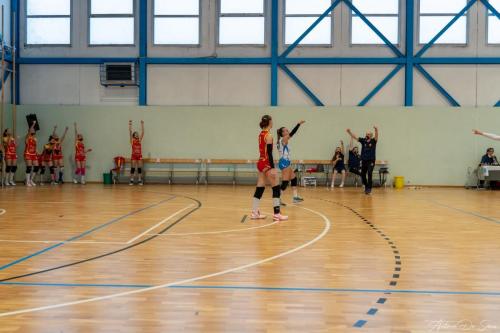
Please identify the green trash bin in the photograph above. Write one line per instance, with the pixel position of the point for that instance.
(107, 178)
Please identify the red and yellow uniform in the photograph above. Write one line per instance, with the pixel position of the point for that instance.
(57, 154)
(46, 155)
(136, 150)
(30, 149)
(10, 148)
(80, 152)
(263, 165)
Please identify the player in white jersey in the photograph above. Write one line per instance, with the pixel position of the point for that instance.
(285, 164)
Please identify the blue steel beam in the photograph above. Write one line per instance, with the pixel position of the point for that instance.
(274, 52)
(72, 61)
(372, 27)
(210, 61)
(498, 104)
(491, 8)
(436, 85)
(5, 76)
(410, 40)
(455, 61)
(143, 52)
(380, 85)
(311, 28)
(14, 35)
(445, 28)
(301, 85)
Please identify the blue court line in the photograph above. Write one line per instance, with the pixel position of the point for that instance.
(359, 323)
(330, 290)
(99, 227)
(487, 218)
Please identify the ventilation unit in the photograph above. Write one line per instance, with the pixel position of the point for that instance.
(119, 74)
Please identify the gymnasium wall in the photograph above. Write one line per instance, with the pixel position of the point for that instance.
(429, 146)
(248, 85)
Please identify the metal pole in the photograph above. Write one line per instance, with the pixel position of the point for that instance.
(14, 71)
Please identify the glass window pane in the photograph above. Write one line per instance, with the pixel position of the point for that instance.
(321, 34)
(177, 7)
(362, 34)
(493, 30)
(112, 7)
(307, 6)
(49, 7)
(176, 30)
(241, 30)
(49, 31)
(111, 30)
(495, 4)
(377, 6)
(431, 25)
(441, 6)
(242, 6)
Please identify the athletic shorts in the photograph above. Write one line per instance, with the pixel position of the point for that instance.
(263, 166)
(29, 157)
(11, 156)
(136, 157)
(57, 157)
(284, 163)
(80, 158)
(340, 167)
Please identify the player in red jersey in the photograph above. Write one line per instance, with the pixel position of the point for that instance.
(80, 158)
(136, 159)
(45, 161)
(267, 172)
(9, 147)
(57, 155)
(30, 155)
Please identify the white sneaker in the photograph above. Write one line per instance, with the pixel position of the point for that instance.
(341, 185)
(28, 184)
(257, 216)
(75, 181)
(32, 183)
(12, 183)
(279, 217)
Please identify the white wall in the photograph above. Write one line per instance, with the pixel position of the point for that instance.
(432, 146)
(471, 85)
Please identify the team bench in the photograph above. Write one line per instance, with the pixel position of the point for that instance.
(236, 171)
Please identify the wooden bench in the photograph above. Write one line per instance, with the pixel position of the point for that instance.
(250, 167)
(170, 169)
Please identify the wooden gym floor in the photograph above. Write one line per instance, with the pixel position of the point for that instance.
(188, 259)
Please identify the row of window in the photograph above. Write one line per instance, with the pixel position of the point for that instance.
(242, 22)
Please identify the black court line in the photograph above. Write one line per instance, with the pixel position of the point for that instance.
(244, 219)
(397, 258)
(107, 254)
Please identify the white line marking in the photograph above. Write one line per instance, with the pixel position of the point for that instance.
(186, 281)
(159, 224)
(2, 211)
(216, 232)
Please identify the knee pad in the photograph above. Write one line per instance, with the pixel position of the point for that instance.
(276, 191)
(259, 191)
(52, 169)
(8, 168)
(132, 171)
(28, 169)
(139, 170)
(284, 185)
(36, 168)
(42, 170)
(294, 182)
(13, 168)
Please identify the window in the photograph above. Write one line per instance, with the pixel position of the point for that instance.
(383, 14)
(300, 14)
(494, 24)
(434, 15)
(176, 22)
(241, 22)
(111, 22)
(48, 22)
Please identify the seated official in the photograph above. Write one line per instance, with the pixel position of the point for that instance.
(354, 163)
(488, 159)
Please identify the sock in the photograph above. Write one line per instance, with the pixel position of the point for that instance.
(139, 174)
(255, 205)
(61, 173)
(259, 191)
(295, 192)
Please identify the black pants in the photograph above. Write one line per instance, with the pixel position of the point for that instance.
(367, 173)
(356, 171)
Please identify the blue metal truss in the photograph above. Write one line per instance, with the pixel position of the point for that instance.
(409, 59)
